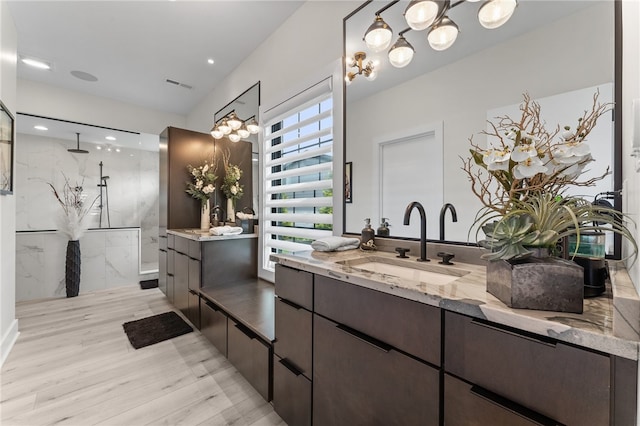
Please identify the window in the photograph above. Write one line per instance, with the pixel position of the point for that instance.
(298, 173)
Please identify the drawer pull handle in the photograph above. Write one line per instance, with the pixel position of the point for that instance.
(540, 339)
(245, 330)
(508, 405)
(289, 303)
(193, 292)
(289, 366)
(364, 338)
(169, 274)
(212, 306)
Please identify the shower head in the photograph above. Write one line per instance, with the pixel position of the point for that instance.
(105, 177)
(77, 150)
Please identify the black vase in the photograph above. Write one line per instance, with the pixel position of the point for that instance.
(72, 268)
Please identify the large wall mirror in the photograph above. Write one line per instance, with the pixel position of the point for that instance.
(406, 131)
(244, 152)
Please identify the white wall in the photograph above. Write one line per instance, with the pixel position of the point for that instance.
(461, 93)
(631, 91)
(48, 101)
(8, 61)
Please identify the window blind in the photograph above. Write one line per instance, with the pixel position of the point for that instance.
(298, 174)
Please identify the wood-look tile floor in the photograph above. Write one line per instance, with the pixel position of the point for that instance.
(73, 365)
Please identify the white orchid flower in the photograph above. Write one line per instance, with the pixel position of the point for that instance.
(234, 190)
(497, 159)
(571, 152)
(208, 189)
(529, 168)
(205, 168)
(523, 152)
(199, 184)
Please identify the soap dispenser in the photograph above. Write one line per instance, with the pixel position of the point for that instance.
(383, 230)
(367, 232)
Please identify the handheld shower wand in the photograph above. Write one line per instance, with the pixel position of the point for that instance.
(103, 184)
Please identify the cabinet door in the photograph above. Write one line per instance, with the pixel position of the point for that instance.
(170, 287)
(194, 274)
(562, 382)
(293, 335)
(193, 312)
(250, 356)
(181, 282)
(358, 381)
(291, 394)
(468, 405)
(213, 324)
(162, 270)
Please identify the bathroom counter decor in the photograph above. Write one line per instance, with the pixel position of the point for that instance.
(522, 179)
(609, 323)
(201, 235)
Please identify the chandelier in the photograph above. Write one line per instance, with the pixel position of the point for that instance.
(234, 128)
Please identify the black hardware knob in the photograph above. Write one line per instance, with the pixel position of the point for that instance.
(402, 252)
(446, 258)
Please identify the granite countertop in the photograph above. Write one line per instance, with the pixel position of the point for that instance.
(606, 324)
(200, 235)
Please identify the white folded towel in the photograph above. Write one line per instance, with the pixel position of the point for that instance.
(335, 243)
(225, 230)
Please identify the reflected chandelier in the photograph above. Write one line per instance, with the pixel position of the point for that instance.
(431, 14)
(235, 128)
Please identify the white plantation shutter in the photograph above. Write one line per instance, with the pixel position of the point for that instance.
(298, 172)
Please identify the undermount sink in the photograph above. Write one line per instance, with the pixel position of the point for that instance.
(406, 269)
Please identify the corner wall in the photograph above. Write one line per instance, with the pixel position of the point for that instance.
(8, 61)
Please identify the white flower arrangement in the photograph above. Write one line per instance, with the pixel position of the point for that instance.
(231, 183)
(204, 180)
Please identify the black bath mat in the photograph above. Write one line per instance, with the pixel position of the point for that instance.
(155, 329)
(147, 284)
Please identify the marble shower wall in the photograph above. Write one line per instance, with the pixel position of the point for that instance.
(132, 187)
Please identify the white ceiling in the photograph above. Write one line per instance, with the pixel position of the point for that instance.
(132, 47)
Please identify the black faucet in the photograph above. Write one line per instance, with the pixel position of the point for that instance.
(423, 228)
(454, 217)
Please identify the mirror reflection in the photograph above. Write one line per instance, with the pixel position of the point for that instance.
(407, 129)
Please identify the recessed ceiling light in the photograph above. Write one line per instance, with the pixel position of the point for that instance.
(117, 149)
(38, 127)
(130, 155)
(109, 149)
(98, 147)
(36, 63)
(210, 61)
(110, 138)
(84, 76)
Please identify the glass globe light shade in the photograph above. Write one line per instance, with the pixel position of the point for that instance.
(371, 76)
(216, 132)
(420, 14)
(234, 122)
(243, 132)
(378, 36)
(442, 35)
(234, 137)
(401, 53)
(494, 13)
(253, 127)
(224, 127)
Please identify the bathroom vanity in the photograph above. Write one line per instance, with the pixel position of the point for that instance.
(356, 346)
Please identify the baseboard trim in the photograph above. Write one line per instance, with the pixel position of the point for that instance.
(8, 340)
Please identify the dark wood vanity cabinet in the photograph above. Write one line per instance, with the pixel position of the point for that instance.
(376, 357)
(292, 361)
(183, 277)
(250, 355)
(550, 379)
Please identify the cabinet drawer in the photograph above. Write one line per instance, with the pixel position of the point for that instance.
(407, 325)
(357, 381)
(170, 286)
(295, 286)
(293, 335)
(193, 312)
(565, 383)
(291, 394)
(162, 242)
(467, 405)
(194, 274)
(194, 249)
(171, 254)
(182, 245)
(171, 241)
(213, 325)
(250, 356)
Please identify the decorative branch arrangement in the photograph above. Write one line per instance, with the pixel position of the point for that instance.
(72, 201)
(204, 181)
(231, 183)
